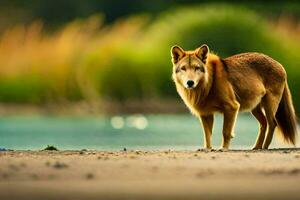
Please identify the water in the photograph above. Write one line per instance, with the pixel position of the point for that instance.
(150, 132)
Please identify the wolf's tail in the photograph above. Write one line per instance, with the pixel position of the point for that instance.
(286, 117)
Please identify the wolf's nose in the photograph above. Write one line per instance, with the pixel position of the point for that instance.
(190, 83)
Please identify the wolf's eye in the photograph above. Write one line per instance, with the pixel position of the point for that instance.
(199, 68)
(183, 68)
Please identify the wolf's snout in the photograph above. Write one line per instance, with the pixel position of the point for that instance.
(190, 83)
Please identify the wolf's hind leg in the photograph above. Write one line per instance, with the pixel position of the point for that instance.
(259, 115)
(207, 124)
(270, 104)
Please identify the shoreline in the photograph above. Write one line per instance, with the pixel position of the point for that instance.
(266, 174)
(96, 107)
(150, 150)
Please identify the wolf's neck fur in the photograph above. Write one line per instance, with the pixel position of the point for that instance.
(195, 98)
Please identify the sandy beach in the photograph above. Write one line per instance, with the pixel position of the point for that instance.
(273, 174)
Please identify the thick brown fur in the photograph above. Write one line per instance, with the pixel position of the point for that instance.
(251, 82)
(286, 118)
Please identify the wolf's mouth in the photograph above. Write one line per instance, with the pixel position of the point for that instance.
(190, 88)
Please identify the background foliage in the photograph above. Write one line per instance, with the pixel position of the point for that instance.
(62, 52)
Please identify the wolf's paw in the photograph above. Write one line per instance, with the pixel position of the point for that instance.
(222, 149)
(257, 148)
(206, 150)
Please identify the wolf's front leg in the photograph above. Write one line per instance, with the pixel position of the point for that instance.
(207, 125)
(230, 116)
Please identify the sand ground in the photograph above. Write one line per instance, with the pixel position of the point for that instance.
(273, 174)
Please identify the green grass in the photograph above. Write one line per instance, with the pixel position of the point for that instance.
(50, 148)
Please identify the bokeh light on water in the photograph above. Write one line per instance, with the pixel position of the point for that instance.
(135, 121)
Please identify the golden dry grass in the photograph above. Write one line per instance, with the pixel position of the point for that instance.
(65, 59)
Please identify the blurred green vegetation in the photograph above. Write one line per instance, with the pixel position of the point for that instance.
(55, 13)
(87, 60)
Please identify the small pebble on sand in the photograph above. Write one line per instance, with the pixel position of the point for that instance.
(23, 165)
(59, 165)
(89, 176)
(294, 171)
(34, 176)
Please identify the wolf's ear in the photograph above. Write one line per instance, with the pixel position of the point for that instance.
(202, 53)
(177, 53)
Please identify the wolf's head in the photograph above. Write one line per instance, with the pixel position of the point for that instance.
(189, 68)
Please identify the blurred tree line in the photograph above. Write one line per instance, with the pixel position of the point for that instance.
(57, 12)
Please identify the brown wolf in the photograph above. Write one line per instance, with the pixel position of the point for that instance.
(245, 82)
